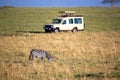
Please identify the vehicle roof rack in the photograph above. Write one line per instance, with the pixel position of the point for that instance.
(78, 15)
(69, 14)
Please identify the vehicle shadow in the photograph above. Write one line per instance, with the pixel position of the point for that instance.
(35, 32)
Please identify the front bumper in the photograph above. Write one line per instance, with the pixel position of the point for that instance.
(48, 28)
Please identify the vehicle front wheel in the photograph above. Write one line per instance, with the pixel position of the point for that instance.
(75, 30)
(56, 30)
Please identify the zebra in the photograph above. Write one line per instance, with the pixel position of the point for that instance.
(42, 54)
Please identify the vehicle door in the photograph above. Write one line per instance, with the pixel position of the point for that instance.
(70, 24)
(78, 23)
(63, 25)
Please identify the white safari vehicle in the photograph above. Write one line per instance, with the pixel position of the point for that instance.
(67, 21)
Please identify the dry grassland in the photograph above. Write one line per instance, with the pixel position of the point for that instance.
(77, 56)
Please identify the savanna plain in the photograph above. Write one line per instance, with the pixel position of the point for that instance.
(92, 54)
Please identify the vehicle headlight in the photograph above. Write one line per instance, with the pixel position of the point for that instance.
(52, 26)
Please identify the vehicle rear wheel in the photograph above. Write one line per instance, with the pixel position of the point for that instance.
(56, 30)
(75, 30)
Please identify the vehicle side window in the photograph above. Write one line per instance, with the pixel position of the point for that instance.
(64, 22)
(70, 21)
(78, 21)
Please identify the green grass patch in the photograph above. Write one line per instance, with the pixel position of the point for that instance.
(32, 19)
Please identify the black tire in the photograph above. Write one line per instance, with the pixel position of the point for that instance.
(56, 30)
(75, 30)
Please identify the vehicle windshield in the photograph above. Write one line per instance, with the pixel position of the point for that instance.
(56, 21)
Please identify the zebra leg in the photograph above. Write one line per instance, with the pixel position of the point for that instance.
(33, 57)
(41, 58)
(50, 60)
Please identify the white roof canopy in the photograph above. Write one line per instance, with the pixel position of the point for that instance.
(67, 12)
